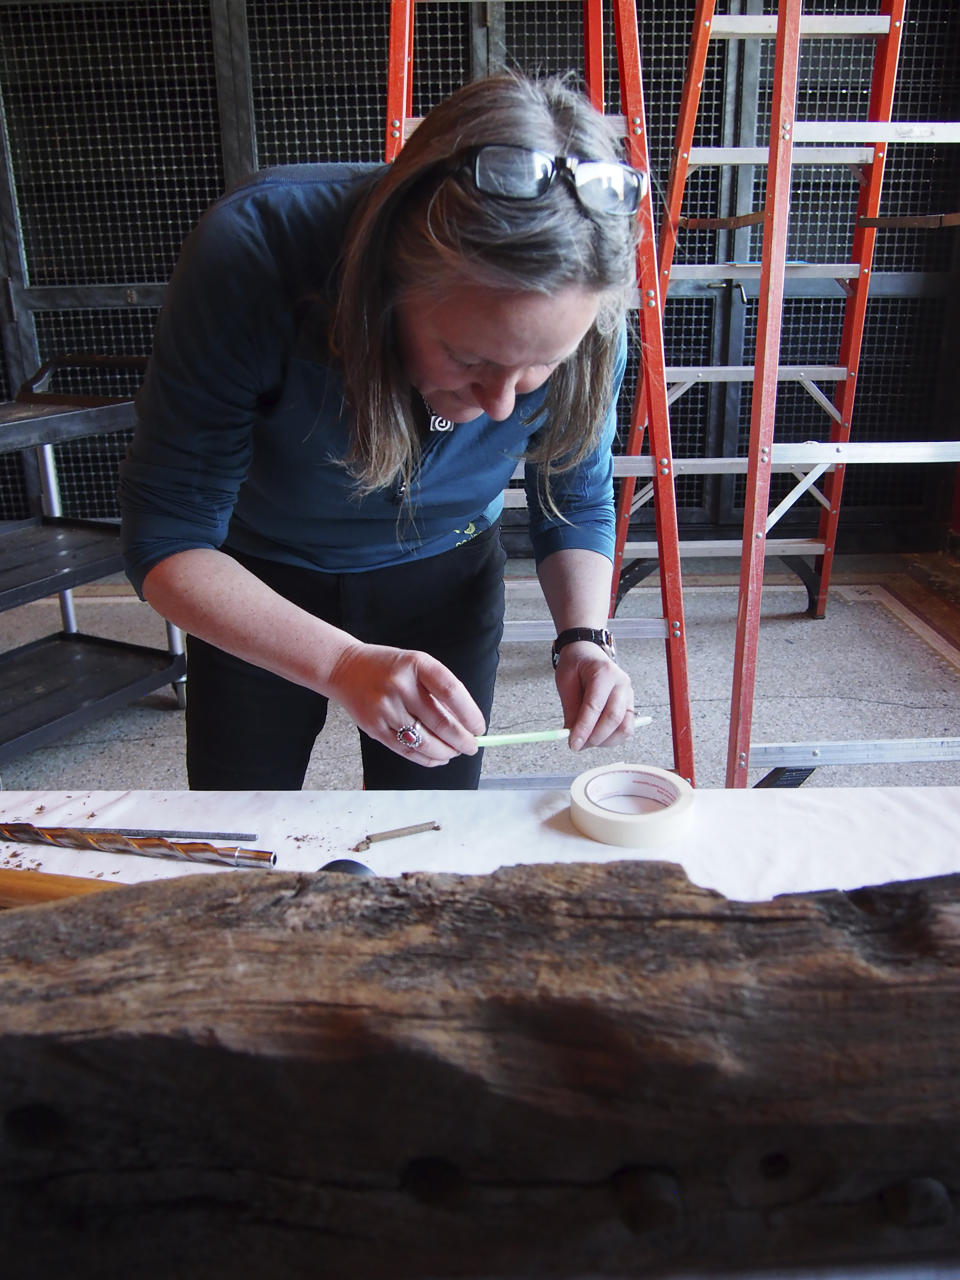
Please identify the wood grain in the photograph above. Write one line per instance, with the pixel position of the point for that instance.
(551, 1071)
(26, 888)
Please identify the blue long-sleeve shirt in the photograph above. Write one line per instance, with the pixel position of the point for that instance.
(242, 428)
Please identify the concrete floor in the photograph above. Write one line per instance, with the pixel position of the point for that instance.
(883, 664)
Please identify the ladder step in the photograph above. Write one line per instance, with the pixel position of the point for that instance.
(783, 457)
(810, 453)
(617, 121)
(729, 547)
(527, 781)
(801, 155)
(744, 373)
(625, 464)
(863, 751)
(868, 451)
(751, 271)
(736, 27)
(622, 628)
(868, 132)
(871, 131)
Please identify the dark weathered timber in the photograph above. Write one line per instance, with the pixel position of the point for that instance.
(552, 1071)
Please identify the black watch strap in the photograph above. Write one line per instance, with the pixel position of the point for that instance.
(603, 638)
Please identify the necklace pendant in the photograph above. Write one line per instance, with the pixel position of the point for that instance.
(437, 423)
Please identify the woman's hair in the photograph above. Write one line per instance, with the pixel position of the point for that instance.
(424, 228)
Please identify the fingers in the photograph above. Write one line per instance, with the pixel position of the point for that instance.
(409, 702)
(597, 698)
(452, 714)
(412, 739)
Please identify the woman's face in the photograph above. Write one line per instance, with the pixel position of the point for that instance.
(474, 350)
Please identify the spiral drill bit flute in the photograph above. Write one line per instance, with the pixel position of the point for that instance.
(146, 846)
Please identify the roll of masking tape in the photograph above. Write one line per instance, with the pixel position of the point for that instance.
(631, 805)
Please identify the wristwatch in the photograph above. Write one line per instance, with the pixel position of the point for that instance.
(602, 637)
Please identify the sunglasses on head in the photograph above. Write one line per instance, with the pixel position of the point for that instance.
(520, 173)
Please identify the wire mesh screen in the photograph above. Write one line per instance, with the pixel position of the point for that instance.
(87, 469)
(810, 335)
(543, 38)
(665, 32)
(13, 496)
(111, 117)
(318, 76)
(687, 332)
(442, 52)
(924, 179)
(115, 117)
(894, 384)
(112, 128)
(833, 83)
(834, 80)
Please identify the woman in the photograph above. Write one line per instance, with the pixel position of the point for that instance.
(350, 362)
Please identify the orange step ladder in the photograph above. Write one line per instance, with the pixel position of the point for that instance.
(861, 144)
(650, 396)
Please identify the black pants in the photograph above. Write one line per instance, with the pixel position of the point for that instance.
(248, 729)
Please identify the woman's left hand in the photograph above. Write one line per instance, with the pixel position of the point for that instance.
(596, 696)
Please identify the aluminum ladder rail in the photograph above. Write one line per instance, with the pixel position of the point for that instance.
(650, 403)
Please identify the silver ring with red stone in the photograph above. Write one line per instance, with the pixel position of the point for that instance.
(409, 736)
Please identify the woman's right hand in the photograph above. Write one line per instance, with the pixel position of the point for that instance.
(384, 689)
(212, 596)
